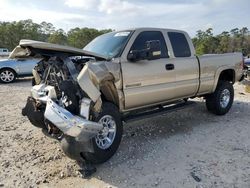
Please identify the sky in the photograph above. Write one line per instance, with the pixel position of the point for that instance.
(188, 15)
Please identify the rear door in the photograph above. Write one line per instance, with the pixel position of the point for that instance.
(186, 65)
(147, 82)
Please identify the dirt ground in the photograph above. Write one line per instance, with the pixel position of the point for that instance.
(187, 148)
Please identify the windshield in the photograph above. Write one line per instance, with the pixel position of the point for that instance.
(110, 44)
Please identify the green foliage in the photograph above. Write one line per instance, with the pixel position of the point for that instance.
(58, 37)
(12, 32)
(205, 42)
(80, 37)
(237, 40)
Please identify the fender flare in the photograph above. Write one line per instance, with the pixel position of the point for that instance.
(218, 73)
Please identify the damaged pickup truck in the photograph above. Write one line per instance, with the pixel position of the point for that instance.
(82, 97)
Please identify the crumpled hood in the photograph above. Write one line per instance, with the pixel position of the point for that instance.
(27, 48)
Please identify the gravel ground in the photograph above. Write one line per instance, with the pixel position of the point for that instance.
(187, 148)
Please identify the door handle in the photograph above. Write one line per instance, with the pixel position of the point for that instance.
(169, 66)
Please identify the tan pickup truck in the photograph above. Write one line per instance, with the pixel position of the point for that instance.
(82, 97)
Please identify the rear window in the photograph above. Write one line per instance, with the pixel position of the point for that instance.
(179, 44)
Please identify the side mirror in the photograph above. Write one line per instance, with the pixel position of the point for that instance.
(152, 51)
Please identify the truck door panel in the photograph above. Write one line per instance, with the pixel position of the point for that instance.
(186, 66)
(147, 82)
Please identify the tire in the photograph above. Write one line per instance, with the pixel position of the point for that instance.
(221, 100)
(7, 76)
(101, 155)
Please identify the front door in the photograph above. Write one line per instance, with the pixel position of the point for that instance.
(147, 82)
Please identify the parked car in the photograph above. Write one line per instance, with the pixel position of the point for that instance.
(136, 73)
(4, 52)
(10, 69)
(247, 62)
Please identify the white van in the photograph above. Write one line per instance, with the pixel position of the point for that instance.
(4, 52)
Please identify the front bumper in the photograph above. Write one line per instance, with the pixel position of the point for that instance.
(69, 124)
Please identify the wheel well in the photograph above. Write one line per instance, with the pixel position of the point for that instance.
(228, 75)
(7, 68)
(109, 93)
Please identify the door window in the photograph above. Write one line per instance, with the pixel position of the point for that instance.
(143, 37)
(179, 44)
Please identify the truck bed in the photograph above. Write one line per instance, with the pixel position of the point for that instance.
(212, 64)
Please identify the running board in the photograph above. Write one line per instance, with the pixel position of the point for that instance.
(156, 111)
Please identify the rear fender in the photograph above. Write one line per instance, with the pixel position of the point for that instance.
(218, 73)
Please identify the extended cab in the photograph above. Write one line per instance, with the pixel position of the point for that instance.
(82, 97)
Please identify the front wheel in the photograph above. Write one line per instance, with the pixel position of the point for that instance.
(221, 100)
(108, 139)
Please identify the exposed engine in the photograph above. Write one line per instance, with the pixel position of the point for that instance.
(54, 78)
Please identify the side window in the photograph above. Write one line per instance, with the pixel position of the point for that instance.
(145, 36)
(179, 44)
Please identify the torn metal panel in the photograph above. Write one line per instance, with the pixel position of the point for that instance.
(85, 107)
(98, 105)
(87, 85)
(19, 52)
(102, 71)
(36, 76)
(106, 76)
(121, 99)
(43, 92)
(110, 92)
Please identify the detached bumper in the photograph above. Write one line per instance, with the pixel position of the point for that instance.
(69, 124)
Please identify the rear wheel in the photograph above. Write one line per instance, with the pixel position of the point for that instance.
(221, 100)
(7, 75)
(108, 139)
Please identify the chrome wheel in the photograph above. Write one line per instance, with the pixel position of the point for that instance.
(106, 136)
(7, 76)
(225, 98)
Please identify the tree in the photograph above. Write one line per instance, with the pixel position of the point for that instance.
(80, 37)
(58, 37)
(11, 33)
(205, 42)
(224, 41)
(234, 41)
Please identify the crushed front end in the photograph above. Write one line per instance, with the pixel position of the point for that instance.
(61, 108)
(75, 98)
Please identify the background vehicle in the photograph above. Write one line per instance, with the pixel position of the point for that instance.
(4, 52)
(10, 69)
(136, 73)
(247, 62)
